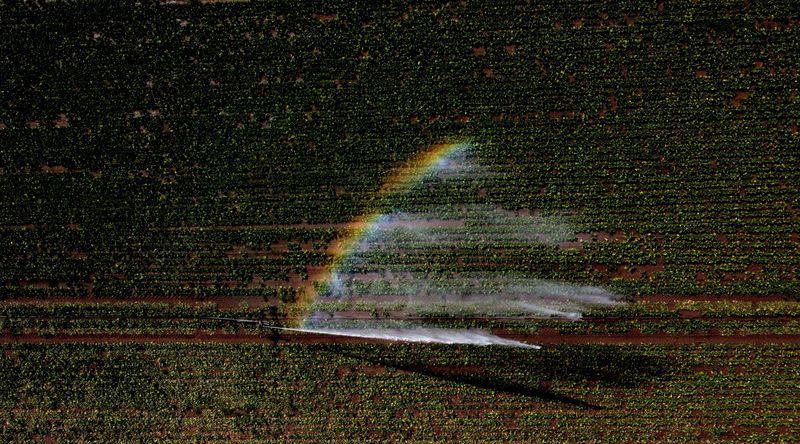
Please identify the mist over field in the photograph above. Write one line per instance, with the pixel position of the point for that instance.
(443, 260)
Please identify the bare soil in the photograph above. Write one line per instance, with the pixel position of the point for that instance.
(714, 298)
(542, 338)
(222, 302)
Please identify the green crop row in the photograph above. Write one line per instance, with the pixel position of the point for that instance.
(199, 123)
(411, 392)
(725, 318)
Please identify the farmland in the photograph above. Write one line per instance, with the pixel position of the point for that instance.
(165, 164)
(401, 392)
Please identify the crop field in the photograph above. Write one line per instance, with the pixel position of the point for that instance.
(400, 392)
(616, 182)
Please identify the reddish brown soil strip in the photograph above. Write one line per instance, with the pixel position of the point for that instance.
(715, 298)
(546, 338)
(338, 226)
(222, 302)
(355, 225)
(199, 337)
(325, 17)
(659, 338)
(686, 314)
(62, 121)
(424, 320)
(318, 273)
(208, 2)
(429, 223)
(741, 95)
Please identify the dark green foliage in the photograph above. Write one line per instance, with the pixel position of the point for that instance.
(154, 150)
(678, 120)
(405, 392)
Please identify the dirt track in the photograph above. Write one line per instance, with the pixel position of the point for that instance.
(306, 338)
(544, 336)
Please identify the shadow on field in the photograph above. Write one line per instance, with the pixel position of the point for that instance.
(605, 364)
(527, 373)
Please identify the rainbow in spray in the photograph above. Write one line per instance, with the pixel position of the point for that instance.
(413, 172)
(405, 178)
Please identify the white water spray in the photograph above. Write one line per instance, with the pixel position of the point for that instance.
(422, 335)
(444, 251)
